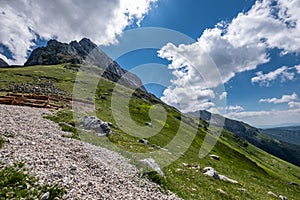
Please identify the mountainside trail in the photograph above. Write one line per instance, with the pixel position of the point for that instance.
(84, 170)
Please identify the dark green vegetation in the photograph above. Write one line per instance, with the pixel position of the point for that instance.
(16, 183)
(254, 169)
(277, 146)
(290, 134)
(1, 142)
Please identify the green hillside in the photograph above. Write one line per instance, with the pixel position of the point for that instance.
(256, 171)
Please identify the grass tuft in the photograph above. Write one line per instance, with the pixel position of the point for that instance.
(16, 183)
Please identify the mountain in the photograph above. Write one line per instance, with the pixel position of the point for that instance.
(83, 52)
(290, 134)
(3, 63)
(140, 131)
(279, 148)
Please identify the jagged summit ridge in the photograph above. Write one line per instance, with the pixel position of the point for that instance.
(84, 51)
(57, 52)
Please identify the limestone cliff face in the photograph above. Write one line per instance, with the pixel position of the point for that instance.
(84, 51)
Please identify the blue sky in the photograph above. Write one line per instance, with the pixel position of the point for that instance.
(254, 46)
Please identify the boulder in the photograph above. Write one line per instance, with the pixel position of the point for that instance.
(153, 165)
(94, 123)
(209, 171)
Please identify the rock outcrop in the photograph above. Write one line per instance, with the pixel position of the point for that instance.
(154, 166)
(3, 63)
(83, 52)
(209, 171)
(94, 123)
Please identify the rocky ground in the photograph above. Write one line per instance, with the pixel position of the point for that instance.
(86, 171)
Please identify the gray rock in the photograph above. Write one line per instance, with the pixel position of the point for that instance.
(225, 178)
(213, 156)
(294, 183)
(84, 51)
(45, 196)
(272, 194)
(152, 164)
(148, 124)
(221, 191)
(283, 197)
(144, 141)
(243, 190)
(209, 171)
(94, 123)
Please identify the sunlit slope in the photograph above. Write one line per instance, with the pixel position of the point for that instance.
(256, 171)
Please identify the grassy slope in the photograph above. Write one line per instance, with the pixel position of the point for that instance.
(256, 170)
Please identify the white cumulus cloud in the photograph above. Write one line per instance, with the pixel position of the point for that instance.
(266, 79)
(237, 46)
(294, 104)
(283, 99)
(100, 20)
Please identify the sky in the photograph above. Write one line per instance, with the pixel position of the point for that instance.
(239, 58)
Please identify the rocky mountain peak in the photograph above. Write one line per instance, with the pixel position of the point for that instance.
(3, 63)
(84, 51)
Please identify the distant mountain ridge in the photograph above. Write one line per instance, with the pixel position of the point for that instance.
(286, 151)
(82, 52)
(290, 134)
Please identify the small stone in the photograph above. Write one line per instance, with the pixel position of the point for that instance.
(221, 191)
(185, 164)
(213, 156)
(272, 194)
(45, 196)
(294, 183)
(144, 141)
(283, 197)
(243, 190)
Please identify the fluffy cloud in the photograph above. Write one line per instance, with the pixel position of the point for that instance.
(223, 95)
(272, 118)
(294, 104)
(283, 99)
(297, 67)
(235, 108)
(266, 79)
(235, 47)
(23, 21)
